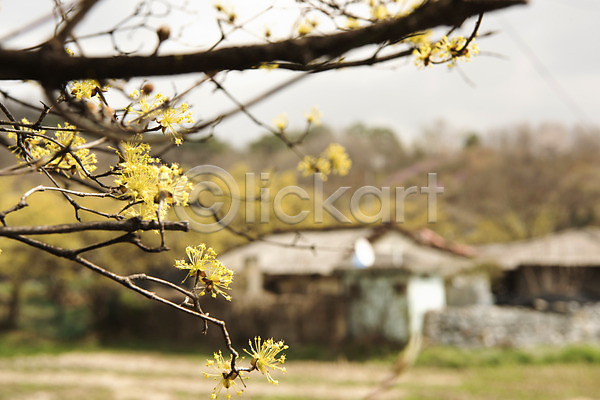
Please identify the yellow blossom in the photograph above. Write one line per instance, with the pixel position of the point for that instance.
(313, 116)
(225, 377)
(305, 27)
(39, 146)
(380, 12)
(161, 112)
(423, 54)
(217, 280)
(445, 50)
(228, 12)
(199, 258)
(136, 153)
(333, 160)
(153, 186)
(338, 158)
(352, 23)
(146, 108)
(86, 89)
(456, 49)
(214, 277)
(281, 122)
(32, 144)
(264, 356)
(170, 117)
(67, 161)
(311, 165)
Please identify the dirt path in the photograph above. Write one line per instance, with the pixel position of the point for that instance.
(132, 376)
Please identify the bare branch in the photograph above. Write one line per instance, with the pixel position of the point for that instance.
(128, 225)
(84, 7)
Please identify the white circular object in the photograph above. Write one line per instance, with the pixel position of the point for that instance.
(364, 255)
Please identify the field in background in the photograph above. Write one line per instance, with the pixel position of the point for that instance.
(45, 372)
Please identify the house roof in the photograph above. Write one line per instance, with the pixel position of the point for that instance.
(567, 248)
(305, 252)
(324, 251)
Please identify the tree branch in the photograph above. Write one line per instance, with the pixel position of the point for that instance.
(54, 67)
(129, 225)
(128, 282)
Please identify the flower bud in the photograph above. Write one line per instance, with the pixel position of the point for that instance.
(163, 33)
(147, 88)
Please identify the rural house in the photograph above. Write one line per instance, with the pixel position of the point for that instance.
(551, 272)
(547, 292)
(320, 289)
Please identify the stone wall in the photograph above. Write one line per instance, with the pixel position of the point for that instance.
(490, 326)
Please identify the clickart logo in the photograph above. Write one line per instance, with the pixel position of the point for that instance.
(216, 200)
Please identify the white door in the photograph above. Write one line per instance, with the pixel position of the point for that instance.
(424, 293)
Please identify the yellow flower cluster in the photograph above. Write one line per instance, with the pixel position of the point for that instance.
(264, 356)
(444, 51)
(153, 186)
(352, 23)
(379, 11)
(215, 276)
(265, 359)
(86, 89)
(67, 161)
(50, 149)
(314, 116)
(386, 9)
(312, 165)
(457, 49)
(228, 12)
(333, 160)
(338, 158)
(158, 110)
(307, 26)
(280, 122)
(225, 377)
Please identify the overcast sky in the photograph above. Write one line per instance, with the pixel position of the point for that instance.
(549, 72)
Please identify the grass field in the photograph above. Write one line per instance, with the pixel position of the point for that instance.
(444, 374)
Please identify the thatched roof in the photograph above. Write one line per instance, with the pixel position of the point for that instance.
(567, 248)
(324, 251)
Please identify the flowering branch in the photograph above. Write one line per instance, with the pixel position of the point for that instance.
(147, 187)
(54, 67)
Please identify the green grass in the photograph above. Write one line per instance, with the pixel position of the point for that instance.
(19, 343)
(515, 382)
(23, 343)
(450, 357)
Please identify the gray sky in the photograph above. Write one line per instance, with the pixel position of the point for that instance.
(550, 72)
